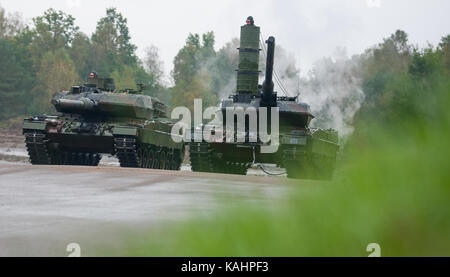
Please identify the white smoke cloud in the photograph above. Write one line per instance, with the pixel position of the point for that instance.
(333, 90)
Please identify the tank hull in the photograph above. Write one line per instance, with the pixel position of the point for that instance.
(303, 157)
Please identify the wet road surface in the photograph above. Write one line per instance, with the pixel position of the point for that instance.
(43, 208)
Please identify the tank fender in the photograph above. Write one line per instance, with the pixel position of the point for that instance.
(125, 131)
(34, 125)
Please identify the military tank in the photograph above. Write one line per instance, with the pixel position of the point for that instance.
(304, 152)
(95, 119)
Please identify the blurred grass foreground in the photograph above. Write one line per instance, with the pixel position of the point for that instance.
(392, 185)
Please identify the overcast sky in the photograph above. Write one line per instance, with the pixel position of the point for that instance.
(310, 29)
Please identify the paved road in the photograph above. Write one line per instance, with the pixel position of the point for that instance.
(43, 208)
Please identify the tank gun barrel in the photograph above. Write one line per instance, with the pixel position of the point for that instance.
(69, 105)
(267, 87)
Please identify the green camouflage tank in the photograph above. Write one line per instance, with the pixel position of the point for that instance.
(303, 151)
(95, 119)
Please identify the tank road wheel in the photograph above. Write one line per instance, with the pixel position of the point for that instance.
(92, 159)
(162, 159)
(75, 158)
(156, 159)
(231, 167)
(204, 159)
(86, 159)
(144, 157)
(140, 156)
(168, 163)
(133, 154)
(169, 158)
(151, 157)
(241, 168)
(144, 163)
(95, 159)
(60, 158)
(56, 157)
(63, 158)
(79, 158)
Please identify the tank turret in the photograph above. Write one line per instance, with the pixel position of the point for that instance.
(97, 97)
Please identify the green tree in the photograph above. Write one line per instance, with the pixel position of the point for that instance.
(3, 23)
(81, 53)
(207, 50)
(186, 62)
(53, 30)
(444, 47)
(191, 78)
(380, 66)
(16, 70)
(125, 78)
(57, 74)
(112, 43)
(16, 79)
(11, 24)
(153, 66)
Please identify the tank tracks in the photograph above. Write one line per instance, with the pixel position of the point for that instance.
(75, 158)
(133, 154)
(300, 164)
(39, 152)
(204, 159)
(36, 143)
